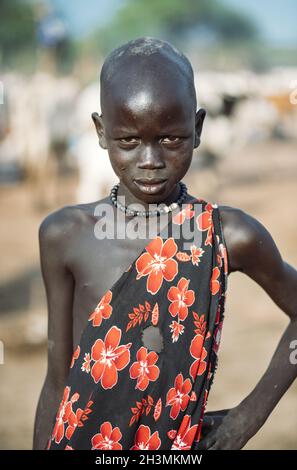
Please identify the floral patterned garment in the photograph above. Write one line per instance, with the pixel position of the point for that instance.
(122, 395)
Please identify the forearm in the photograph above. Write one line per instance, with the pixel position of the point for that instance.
(47, 407)
(278, 377)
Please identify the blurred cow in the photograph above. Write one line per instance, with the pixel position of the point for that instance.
(96, 176)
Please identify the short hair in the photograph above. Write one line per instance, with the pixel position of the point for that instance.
(146, 47)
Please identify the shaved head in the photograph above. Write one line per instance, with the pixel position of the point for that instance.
(146, 63)
(149, 123)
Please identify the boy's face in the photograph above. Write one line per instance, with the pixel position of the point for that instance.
(150, 132)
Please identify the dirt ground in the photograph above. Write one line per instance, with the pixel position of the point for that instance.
(262, 181)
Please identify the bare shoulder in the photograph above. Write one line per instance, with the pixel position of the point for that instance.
(238, 222)
(246, 239)
(58, 226)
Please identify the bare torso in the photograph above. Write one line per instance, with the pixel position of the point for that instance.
(95, 264)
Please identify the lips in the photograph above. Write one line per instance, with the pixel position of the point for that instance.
(150, 180)
(150, 185)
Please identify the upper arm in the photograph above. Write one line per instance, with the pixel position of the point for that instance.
(59, 285)
(252, 250)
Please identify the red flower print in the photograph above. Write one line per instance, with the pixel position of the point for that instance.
(196, 254)
(69, 448)
(155, 314)
(178, 396)
(181, 298)
(139, 314)
(145, 406)
(76, 419)
(64, 411)
(144, 440)
(214, 283)
(75, 356)
(182, 256)
(144, 369)
(86, 366)
(73, 420)
(193, 396)
(157, 263)
(200, 324)
(199, 353)
(186, 213)
(109, 358)
(176, 329)
(158, 410)
(103, 309)
(185, 435)
(171, 434)
(205, 222)
(108, 438)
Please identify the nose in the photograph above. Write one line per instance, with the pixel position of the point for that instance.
(150, 158)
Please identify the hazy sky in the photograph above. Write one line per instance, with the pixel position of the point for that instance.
(276, 18)
(84, 16)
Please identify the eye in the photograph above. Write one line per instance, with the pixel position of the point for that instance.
(171, 139)
(129, 140)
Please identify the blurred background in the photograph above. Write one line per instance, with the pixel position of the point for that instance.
(245, 59)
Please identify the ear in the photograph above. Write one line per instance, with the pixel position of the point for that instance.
(199, 119)
(98, 121)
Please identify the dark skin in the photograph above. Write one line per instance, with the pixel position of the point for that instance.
(151, 132)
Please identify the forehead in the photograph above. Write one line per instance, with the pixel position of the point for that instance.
(140, 93)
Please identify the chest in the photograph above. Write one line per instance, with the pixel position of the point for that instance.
(97, 266)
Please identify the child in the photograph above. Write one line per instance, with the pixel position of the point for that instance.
(134, 323)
